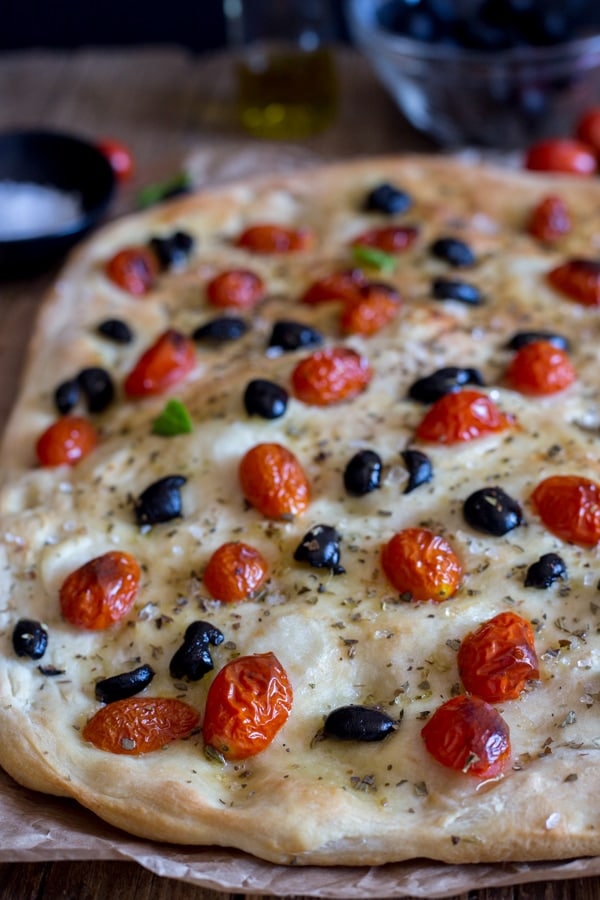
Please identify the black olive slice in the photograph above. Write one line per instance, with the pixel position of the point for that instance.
(160, 501)
(443, 381)
(172, 250)
(192, 660)
(363, 473)
(116, 330)
(387, 198)
(221, 329)
(453, 251)
(97, 385)
(66, 396)
(419, 467)
(543, 573)
(492, 511)
(288, 336)
(265, 399)
(462, 291)
(126, 684)
(522, 338)
(29, 638)
(320, 547)
(359, 723)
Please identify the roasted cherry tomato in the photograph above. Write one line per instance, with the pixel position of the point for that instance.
(66, 441)
(235, 571)
(561, 155)
(469, 735)
(101, 592)
(462, 416)
(119, 156)
(134, 269)
(389, 238)
(372, 310)
(247, 704)
(331, 375)
(165, 363)
(540, 368)
(578, 279)
(423, 564)
(344, 285)
(236, 288)
(275, 239)
(550, 219)
(587, 129)
(496, 661)
(273, 481)
(569, 506)
(140, 724)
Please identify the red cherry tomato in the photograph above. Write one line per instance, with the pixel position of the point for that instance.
(344, 285)
(101, 592)
(540, 368)
(133, 269)
(119, 156)
(569, 506)
(423, 564)
(496, 661)
(266, 238)
(389, 238)
(273, 481)
(247, 704)
(237, 288)
(235, 571)
(550, 219)
(375, 307)
(140, 724)
(561, 155)
(578, 279)
(66, 441)
(462, 416)
(469, 735)
(165, 363)
(587, 129)
(331, 376)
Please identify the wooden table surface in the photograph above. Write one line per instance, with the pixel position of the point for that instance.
(166, 105)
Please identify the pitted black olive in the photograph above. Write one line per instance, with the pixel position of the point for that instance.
(522, 338)
(443, 381)
(98, 387)
(116, 330)
(453, 251)
(446, 289)
(387, 198)
(359, 723)
(420, 470)
(320, 547)
(172, 250)
(160, 501)
(192, 660)
(221, 329)
(363, 473)
(66, 396)
(288, 335)
(548, 569)
(29, 638)
(492, 511)
(265, 399)
(126, 684)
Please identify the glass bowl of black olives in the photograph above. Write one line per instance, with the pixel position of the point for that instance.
(495, 73)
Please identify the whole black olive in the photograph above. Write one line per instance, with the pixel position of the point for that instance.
(420, 470)
(265, 399)
(29, 638)
(160, 501)
(453, 251)
(359, 723)
(116, 330)
(462, 291)
(288, 335)
(126, 684)
(221, 329)
(66, 396)
(387, 198)
(522, 338)
(443, 381)
(192, 660)
(320, 547)
(172, 250)
(492, 511)
(363, 473)
(98, 388)
(548, 569)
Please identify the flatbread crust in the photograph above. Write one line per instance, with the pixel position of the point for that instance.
(342, 639)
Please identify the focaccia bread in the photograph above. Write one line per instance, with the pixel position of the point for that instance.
(386, 519)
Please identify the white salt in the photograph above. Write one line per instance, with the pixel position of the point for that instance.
(30, 210)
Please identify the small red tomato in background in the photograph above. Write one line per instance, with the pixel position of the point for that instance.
(236, 288)
(133, 269)
(389, 238)
(165, 363)
(423, 564)
(496, 661)
(470, 736)
(374, 308)
(578, 279)
(331, 376)
(140, 724)
(565, 155)
(587, 129)
(345, 285)
(66, 441)
(273, 481)
(550, 219)
(540, 368)
(267, 238)
(101, 592)
(569, 506)
(247, 704)
(235, 571)
(462, 416)
(119, 156)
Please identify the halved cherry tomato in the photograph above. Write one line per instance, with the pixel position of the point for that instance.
(330, 376)
(134, 269)
(569, 506)
(237, 288)
(389, 238)
(165, 363)
(423, 564)
(496, 661)
(469, 735)
(100, 592)
(273, 481)
(561, 155)
(66, 441)
(119, 156)
(578, 279)
(344, 285)
(540, 368)
(267, 238)
(235, 571)
(587, 128)
(462, 416)
(247, 704)
(550, 219)
(140, 724)
(374, 308)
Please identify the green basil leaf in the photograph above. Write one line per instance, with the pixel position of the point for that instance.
(174, 419)
(374, 258)
(154, 193)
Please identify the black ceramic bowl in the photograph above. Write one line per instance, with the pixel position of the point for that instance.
(63, 162)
